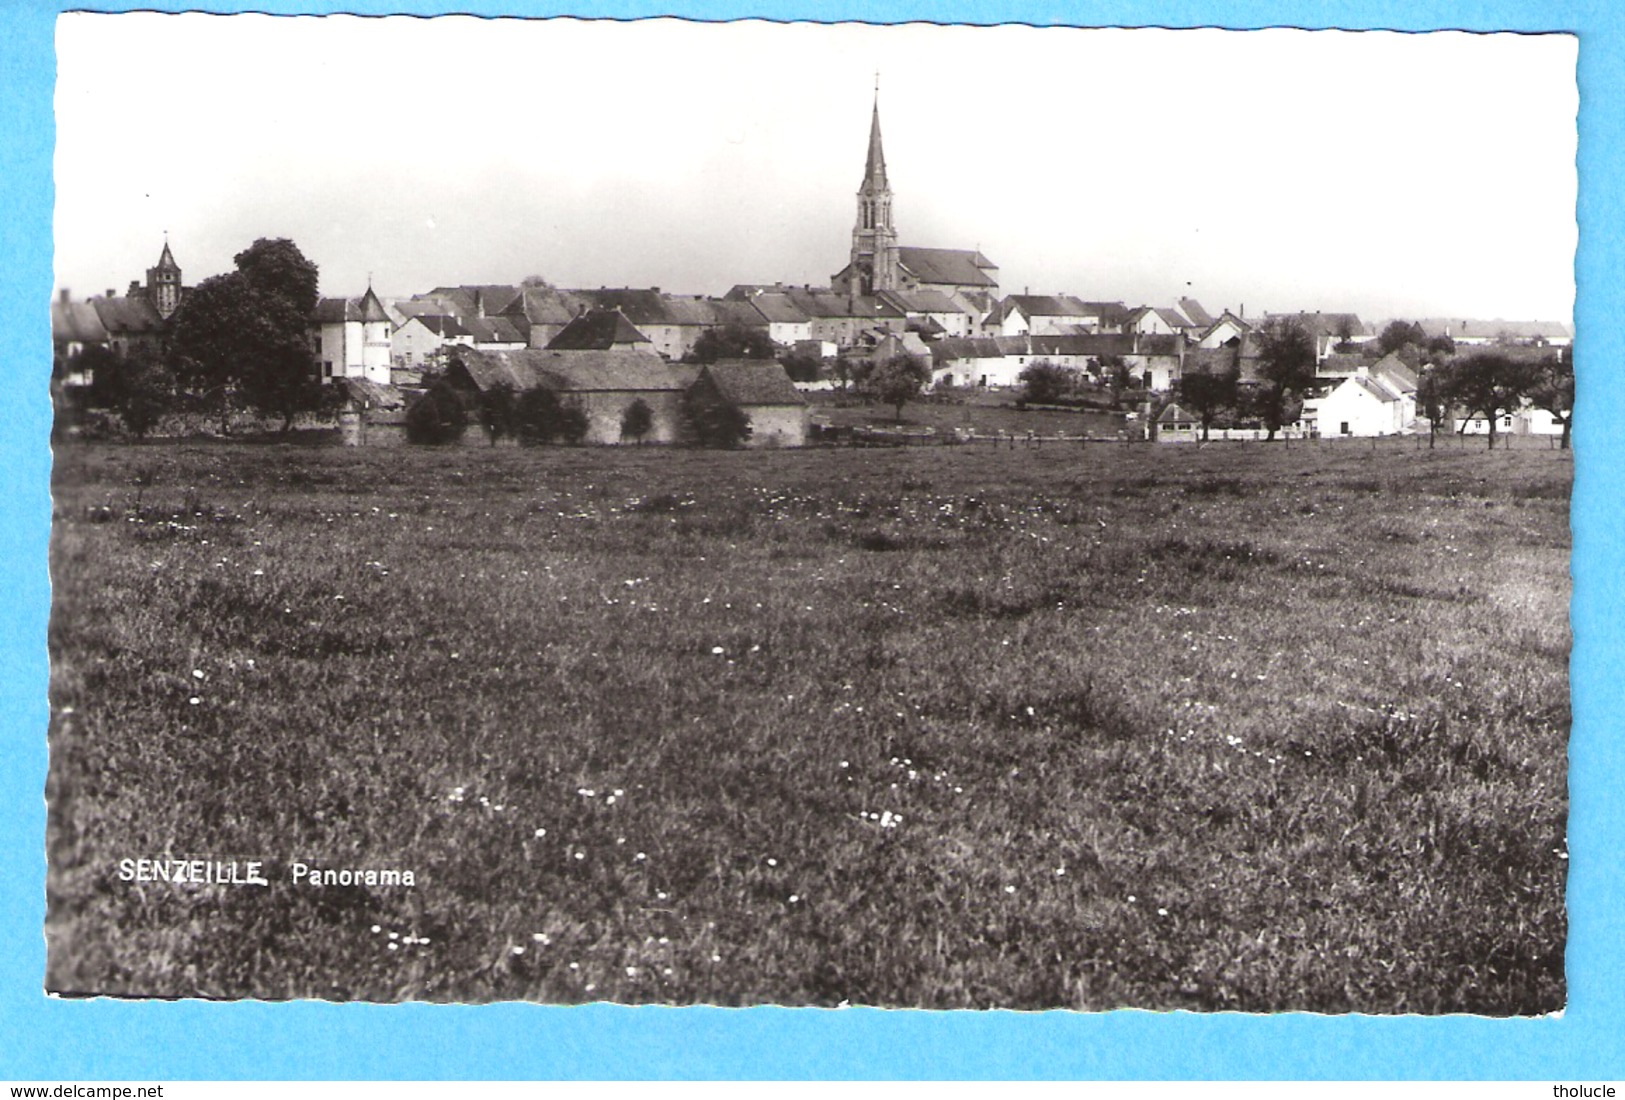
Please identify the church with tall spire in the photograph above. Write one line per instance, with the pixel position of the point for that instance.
(879, 265)
(874, 236)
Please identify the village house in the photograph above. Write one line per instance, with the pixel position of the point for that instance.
(419, 340)
(600, 330)
(351, 338)
(787, 325)
(1373, 401)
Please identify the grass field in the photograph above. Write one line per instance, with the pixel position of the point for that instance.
(1238, 727)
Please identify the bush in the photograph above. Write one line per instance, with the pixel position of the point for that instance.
(437, 418)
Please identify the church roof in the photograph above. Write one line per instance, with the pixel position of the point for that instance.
(947, 266)
(597, 329)
(166, 259)
(874, 168)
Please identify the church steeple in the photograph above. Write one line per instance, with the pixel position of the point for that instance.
(874, 237)
(164, 283)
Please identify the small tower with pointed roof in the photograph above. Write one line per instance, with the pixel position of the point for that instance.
(874, 237)
(164, 283)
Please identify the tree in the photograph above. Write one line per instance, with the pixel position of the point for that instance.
(1286, 368)
(1441, 347)
(1396, 334)
(543, 418)
(1044, 382)
(732, 341)
(276, 268)
(1433, 398)
(898, 380)
(1345, 333)
(802, 366)
(245, 336)
(715, 422)
(1553, 390)
(1492, 383)
(637, 419)
(144, 392)
(536, 282)
(499, 412)
(1205, 395)
(437, 418)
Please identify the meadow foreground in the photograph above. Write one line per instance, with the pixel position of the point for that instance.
(1240, 727)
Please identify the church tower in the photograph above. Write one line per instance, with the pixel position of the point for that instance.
(164, 283)
(874, 238)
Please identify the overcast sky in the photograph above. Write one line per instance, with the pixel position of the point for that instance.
(1390, 174)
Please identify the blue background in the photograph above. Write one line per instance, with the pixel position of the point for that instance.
(40, 1038)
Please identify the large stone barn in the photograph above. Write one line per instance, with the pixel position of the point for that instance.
(604, 384)
(762, 391)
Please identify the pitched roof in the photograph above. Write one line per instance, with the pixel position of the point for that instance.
(332, 311)
(1172, 317)
(597, 330)
(1325, 324)
(1373, 387)
(947, 266)
(615, 370)
(919, 301)
(1395, 373)
(966, 347)
(544, 306)
(1191, 308)
(778, 308)
(471, 300)
(495, 330)
(76, 322)
(1049, 305)
(747, 382)
(127, 316)
(1156, 343)
(1517, 330)
(823, 302)
(371, 308)
(1172, 413)
(440, 324)
(736, 313)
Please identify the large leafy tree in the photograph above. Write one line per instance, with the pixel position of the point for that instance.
(1491, 383)
(1044, 382)
(1286, 368)
(1553, 390)
(732, 341)
(1433, 391)
(1396, 334)
(243, 337)
(1204, 395)
(898, 381)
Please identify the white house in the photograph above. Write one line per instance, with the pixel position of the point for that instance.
(352, 338)
(1363, 406)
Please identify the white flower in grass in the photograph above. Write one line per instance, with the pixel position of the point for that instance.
(518, 950)
(194, 700)
(197, 674)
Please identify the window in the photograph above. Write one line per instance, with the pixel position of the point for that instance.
(1345, 427)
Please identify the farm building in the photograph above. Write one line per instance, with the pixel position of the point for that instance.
(760, 389)
(604, 383)
(600, 330)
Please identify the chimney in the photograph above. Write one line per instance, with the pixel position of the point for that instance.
(110, 293)
(62, 296)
